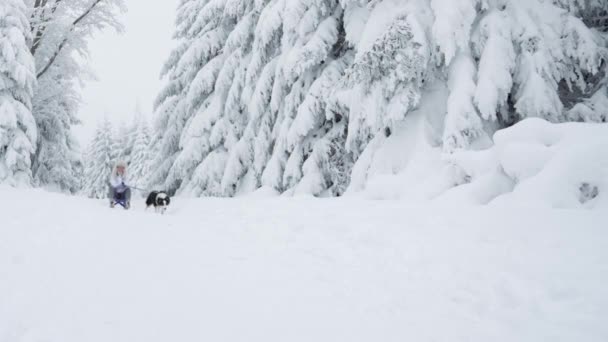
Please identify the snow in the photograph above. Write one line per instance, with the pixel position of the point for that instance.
(298, 269)
(18, 131)
(550, 164)
(407, 161)
(534, 163)
(452, 112)
(299, 95)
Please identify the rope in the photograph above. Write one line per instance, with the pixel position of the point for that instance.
(136, 188)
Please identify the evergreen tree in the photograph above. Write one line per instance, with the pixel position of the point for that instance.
(140, 158)
(120, 143)
(61, 31)
(200, 38)
(297, 95)
(311, 31)
(99, 161)
(18, 131)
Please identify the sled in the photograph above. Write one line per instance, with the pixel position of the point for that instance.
(120, 200)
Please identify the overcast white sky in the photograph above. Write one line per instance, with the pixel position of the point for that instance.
(128, 65)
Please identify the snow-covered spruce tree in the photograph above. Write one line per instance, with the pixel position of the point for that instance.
(190, 73)
(167, 126)
(88, 157)
(319, 85)
(61, 30)
(231, 137)
(311, 41)
(553, 46)
(591, 103)
(452, 32)
(386, 80)
(124, 140)
(17, 81)
(322, 120)
(214, 98)
(139, 168)
(249, 156)
(521, 59)
(122, 143)
(505, 61)
(234, 131)
(327, 169)
(58, 153)
(99, 161)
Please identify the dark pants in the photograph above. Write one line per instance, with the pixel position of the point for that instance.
(125, 195)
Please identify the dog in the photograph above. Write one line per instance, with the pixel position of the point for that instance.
(160, 200)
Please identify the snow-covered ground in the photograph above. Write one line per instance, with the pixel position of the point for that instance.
(298, 269)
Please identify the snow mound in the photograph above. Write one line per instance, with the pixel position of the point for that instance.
(540, 164)
(397, 167)
(533, 163)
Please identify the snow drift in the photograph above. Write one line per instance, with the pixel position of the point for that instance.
(531, 163)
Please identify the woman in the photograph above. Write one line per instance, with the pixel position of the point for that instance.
(119, 191)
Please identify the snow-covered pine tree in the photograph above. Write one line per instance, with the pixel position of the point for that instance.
(167, 126)
(319, 85)
(589, 104)
(214, 102)
(452, 31)
(99, 161)
(61, 30)
(190, 78)
(124, 140)
(248, 158)
(120, 143)
(554, 47)
(321, 129)
(386, 81)
(327, 169)
(88, 158)
(310, 42)
(18, 131)
(139, 167)
(58, 153)
(528, 59)
(222, 118)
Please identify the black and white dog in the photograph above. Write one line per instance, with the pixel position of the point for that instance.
(160, 200)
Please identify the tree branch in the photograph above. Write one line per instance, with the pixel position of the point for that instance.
(66, 39)
(37, 30)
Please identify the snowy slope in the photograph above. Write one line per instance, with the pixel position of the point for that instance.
(298, 269)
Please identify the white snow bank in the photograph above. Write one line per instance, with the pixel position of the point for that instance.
(534, 163)
(298, 269)
(558, 165)
(398, 166)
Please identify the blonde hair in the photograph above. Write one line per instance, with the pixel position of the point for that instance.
(119, 164)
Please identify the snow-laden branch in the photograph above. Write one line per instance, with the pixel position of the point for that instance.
(38, 25)
(66, 38)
